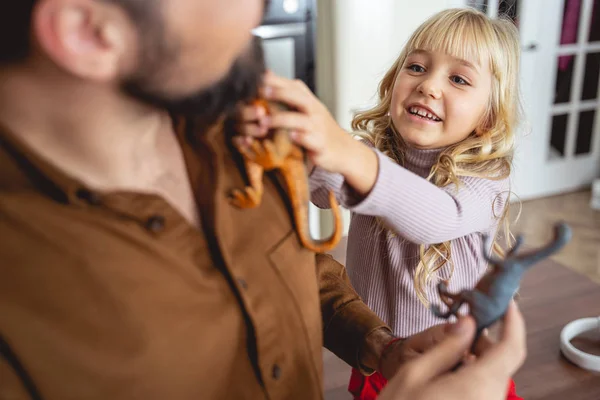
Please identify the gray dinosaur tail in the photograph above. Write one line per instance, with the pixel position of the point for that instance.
(562, 235)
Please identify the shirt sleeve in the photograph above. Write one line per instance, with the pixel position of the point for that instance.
(11, 385)
(347, 321)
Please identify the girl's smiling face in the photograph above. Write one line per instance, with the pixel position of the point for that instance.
(439, 100)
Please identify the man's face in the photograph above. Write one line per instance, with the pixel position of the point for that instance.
(196, 56)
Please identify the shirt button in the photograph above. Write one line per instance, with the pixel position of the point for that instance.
(88, 196)
(155, 223)
(243, 284)
(276, 372)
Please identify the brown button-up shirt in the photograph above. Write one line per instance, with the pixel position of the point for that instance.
(116, 296)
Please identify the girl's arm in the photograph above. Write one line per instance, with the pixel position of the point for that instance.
(424, 213)
(369, 183)
(320, 183)
(360, 173)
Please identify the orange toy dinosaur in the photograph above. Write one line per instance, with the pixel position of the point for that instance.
(277, 151)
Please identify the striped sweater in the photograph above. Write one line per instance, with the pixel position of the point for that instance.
(380, 264)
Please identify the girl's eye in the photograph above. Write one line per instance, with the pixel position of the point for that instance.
(416, 68)
(458, 80)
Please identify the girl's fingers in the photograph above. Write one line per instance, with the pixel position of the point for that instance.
(308, 140)
(290, 92)
(290, 120)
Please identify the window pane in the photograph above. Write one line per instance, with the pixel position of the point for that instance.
(564, 77)
(585, 132)
(590, 80)
(570, 21)
(559, 135)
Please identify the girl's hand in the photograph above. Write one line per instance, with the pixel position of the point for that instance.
(311, 125)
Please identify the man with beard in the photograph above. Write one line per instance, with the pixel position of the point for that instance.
(124, 272)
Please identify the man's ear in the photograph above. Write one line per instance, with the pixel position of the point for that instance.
(88, 39)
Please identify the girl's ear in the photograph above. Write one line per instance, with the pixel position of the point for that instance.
(486, 122)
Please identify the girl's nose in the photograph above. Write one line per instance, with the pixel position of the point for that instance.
(430, 88)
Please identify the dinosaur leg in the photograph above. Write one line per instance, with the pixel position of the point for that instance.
(250, 196)
(261, 155)
(445, 295)
(452, 311)
(447, 298)
(478, 334)
(452, 301)
(268, 153)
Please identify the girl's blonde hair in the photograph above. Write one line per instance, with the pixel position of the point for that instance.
(487, 153)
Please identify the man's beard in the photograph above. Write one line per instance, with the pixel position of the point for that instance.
(241, 84)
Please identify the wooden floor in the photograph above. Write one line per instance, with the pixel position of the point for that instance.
(550, 298)
(582, 254)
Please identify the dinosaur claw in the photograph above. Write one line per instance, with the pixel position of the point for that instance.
(248, 198)
(257, 148)
(245, 151)
(436, 311)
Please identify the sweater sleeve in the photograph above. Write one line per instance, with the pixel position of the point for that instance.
(321, 182)
(426, 214)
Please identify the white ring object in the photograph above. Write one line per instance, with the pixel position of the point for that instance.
(576, 356)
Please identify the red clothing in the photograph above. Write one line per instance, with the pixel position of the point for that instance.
(368, 387)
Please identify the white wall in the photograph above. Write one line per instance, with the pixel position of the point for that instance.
(369, 36)
(358, 40)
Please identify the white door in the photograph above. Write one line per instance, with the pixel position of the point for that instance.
(558, 149)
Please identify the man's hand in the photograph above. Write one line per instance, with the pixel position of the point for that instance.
(485, 377)
(411, 348)
(385, 353)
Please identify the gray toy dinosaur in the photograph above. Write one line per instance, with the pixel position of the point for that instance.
(491, 296)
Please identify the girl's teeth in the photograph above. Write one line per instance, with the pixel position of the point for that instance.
(422, 113)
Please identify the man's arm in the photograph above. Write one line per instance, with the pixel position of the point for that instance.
(355, 334)
(351, 330)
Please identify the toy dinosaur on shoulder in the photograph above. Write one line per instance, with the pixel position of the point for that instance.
(278, 152)
(490, 298)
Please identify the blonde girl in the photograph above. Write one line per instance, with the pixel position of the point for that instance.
(430, 176)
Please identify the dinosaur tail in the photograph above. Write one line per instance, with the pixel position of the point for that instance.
(322, 246)
(297, 183)
(562, 235)
(475, 340)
